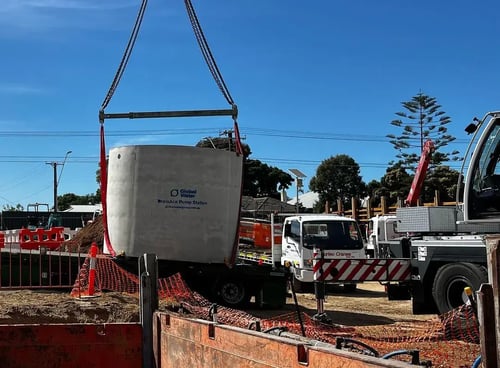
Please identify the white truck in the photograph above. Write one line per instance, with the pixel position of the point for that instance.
(339, 237)
(381, 231)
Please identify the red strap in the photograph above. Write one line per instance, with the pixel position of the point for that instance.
(104, 187)
(239, 148)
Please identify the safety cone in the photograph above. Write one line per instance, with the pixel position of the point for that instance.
(93, 263)
(84, 287)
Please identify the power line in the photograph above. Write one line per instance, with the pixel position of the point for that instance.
(215, 132)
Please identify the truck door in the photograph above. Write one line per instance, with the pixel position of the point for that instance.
(291, 247)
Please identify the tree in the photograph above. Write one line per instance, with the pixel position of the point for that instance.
(373, 190)
(445, 181)
(395, 184)
(262, 180)
(66, 200)
(227, 144)
(18, 207)
(259, 179)
(424, 120)
(337, 178)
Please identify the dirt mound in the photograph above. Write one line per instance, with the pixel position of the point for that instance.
(83, 239)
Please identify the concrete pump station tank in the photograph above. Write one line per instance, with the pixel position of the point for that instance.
(181, 203)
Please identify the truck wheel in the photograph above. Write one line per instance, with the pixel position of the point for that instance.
(450, 281)
(232, 293)
(298, 286)
(350, 288)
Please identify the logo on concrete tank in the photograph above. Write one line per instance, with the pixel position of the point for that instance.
(183, 193)
(182, 199)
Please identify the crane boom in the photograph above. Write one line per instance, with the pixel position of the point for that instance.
(418, 180)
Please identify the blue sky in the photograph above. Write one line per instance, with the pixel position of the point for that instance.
(311, 80)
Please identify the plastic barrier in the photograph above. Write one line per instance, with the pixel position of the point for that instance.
(48, 238)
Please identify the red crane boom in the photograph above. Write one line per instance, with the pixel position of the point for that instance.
(418, 180)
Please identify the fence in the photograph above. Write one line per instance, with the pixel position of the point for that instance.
(38, 269)
(363, 214)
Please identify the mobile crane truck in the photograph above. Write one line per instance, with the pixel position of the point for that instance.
(446, 244)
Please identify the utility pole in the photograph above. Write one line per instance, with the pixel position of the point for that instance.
(229, 134)
(54, 165)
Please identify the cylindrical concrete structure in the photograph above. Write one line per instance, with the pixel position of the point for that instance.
(181, 203)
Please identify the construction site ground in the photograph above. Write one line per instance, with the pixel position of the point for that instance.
(367, 311)
(367, 306)
(366, 314)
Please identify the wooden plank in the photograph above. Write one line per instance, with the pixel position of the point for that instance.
(487, 327)
(492, 253)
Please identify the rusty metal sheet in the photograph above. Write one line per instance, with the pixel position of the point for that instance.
(71, 345)
(184, 342)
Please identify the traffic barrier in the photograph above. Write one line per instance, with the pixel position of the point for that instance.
(332, 270)
(35, 239)
(11, 238)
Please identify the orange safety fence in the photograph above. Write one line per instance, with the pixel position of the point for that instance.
(452, 340)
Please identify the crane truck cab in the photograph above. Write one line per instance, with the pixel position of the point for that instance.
(337, 236)
(482, 182)
(382, 231)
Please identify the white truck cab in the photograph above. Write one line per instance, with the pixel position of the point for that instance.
(338, 237)
(381, 229)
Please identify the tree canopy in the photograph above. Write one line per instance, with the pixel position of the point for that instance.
(68, 199)
(422, 120)
(337, 178)
(443, 180)
(17, 207)
(259, 179)
(395, 184)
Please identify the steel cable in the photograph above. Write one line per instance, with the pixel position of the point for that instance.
(126, 55)
(207, 54)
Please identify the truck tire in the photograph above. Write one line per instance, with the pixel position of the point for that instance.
(298, 286)
(350, 288)
(450, 281)
(232, 293)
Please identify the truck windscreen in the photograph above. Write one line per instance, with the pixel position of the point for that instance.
(332, 234)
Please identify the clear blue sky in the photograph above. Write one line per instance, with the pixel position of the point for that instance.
(311, 79)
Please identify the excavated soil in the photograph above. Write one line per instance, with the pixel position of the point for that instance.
(367, 306)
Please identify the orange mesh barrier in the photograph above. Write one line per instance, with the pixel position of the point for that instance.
(450, 341)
